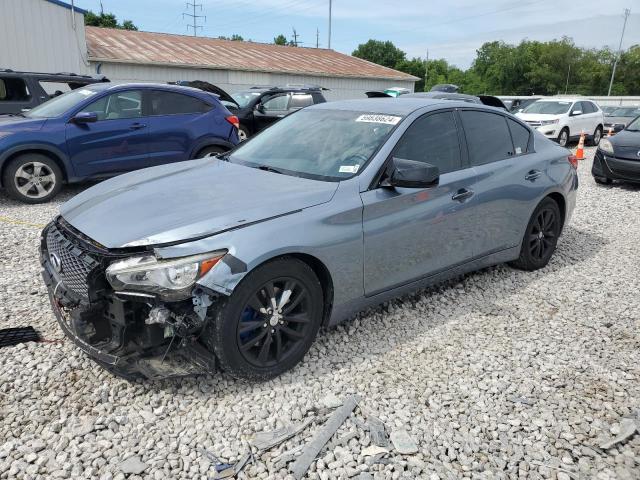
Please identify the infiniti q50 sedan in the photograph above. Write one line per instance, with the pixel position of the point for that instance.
(236, 261)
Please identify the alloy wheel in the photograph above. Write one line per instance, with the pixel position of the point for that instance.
(543, 235)
(242, 135)
(34, 179)
(275, 320)
(563, 139)
(597, 136)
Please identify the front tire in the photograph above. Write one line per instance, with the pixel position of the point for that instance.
(563, 137)
(541, 236)
(210, 152)
(32, 178)
(269, 322)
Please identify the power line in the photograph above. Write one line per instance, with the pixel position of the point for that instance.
(627, 12)
(194, 17)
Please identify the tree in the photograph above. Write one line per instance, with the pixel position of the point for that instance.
(235, 37)
(282, 40)
(107, 20)
(382, 53)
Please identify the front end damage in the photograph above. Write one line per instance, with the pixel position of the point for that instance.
(132, 334)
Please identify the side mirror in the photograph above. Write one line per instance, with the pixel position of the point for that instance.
(260, 108)
(576, 112)
(411, 174)
(85, 117)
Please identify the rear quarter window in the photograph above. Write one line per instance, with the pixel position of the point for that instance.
(171, 103)
(13, 90)
(520, 136)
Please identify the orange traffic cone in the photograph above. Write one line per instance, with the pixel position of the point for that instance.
(580, 150)
(610, 132)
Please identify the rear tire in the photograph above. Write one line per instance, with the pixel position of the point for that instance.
(210, 151)
(32, 178)
(597, 136)
(541, 236)
(243, 133)
(255, 341)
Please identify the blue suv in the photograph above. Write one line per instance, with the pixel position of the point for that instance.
(103, 130)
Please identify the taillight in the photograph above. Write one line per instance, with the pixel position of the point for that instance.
(573, 160)
(233, 120)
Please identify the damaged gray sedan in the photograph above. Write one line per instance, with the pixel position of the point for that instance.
(237, 261)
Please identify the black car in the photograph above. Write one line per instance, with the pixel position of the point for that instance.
(259, 107)
(618, 157)
(26, 90)
(488, 100)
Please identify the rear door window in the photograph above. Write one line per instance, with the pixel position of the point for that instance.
(488, 137)
(278, 103)
(171, 103)
(432, 139)
(54, 89)
(520, 136)
(300, 101)
(13, 90)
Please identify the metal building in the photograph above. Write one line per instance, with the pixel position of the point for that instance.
(42, 35)
(126, 56)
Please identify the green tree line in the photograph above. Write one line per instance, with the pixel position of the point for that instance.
(531, 67)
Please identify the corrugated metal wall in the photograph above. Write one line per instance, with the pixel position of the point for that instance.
(232, 81)
(38, 36)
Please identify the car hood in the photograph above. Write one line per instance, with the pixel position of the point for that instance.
(626, 138)
(533, 117)
(14, 123)
(181, 202)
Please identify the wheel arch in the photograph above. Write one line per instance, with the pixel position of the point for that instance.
(210, 142)
(562, 205)
(54, 156)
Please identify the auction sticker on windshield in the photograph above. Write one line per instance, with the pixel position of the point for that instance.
(386, 119)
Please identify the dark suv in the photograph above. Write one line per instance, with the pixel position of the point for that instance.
(26, 90)
(259, 107)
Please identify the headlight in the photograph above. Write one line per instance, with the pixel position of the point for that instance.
(606, 146)
(549, 122)
(171, 278)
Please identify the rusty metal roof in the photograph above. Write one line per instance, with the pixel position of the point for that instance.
(147, 48)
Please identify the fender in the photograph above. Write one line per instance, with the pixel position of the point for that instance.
(209, 142)
(67, 166)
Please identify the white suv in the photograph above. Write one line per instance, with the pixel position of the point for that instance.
(563, 119)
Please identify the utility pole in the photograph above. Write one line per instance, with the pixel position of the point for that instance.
(329, 42)
(426, 71)
(317, 38)
(627, 12)
(194, 17)
(295, 36)
(566, 87)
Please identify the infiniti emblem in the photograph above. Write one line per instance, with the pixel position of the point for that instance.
(55, 262)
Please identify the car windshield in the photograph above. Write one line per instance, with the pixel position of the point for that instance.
(321, 144)
(551, 108)
(244, 98)
(634, 126)
(58, 105)
(625, 112)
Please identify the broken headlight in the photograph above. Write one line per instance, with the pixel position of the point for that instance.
(165, 277)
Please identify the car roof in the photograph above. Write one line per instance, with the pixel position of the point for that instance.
(155, 86)
(403, 105)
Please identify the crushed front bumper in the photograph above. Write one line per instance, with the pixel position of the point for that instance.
(123, 334)
(608, 166)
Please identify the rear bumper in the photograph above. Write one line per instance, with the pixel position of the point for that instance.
(615, 168)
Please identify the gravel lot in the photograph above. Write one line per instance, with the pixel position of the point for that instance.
(504, 374)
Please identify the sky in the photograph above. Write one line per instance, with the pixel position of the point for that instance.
(453, 30)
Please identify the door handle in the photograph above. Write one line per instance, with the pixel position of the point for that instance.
(533, 175)
(137, 126)
(462, 194)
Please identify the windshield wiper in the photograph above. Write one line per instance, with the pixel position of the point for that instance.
(267, 168)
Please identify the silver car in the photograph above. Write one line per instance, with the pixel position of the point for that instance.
(237, 261)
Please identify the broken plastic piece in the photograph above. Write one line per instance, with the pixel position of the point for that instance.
(14, 336)
(403, 442)
(377, 432)
(628, 428)
(267, 440)
(373, 450)
(322, 436)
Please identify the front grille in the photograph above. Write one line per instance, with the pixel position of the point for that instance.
(74, 266)
(534, 123)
